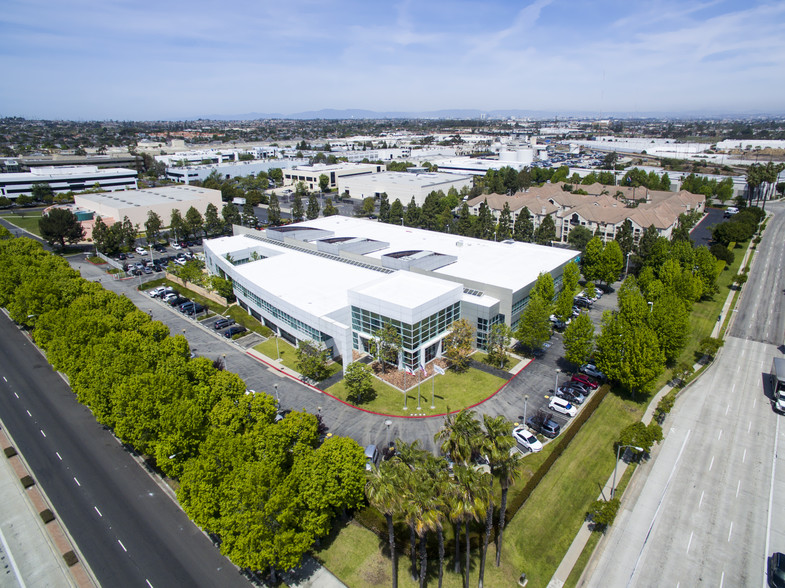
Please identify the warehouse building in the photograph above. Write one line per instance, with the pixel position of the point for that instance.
(402, 186)
(337, 280)
(135, 204)
(310, 174)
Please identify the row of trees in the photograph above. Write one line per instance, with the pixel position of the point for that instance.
(426, 493)
(266, 488)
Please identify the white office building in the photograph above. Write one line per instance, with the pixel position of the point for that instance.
(479, 167)
(402, 186)
(233, 169)
(337, 280)
(67, 179)
(310, 174)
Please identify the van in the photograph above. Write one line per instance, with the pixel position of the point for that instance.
(731, 210)
(371, 457)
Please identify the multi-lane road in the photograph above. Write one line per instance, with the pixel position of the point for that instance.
(709, 511)
(129, 530)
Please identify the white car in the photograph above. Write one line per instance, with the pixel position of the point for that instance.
(526, 438)
(175, 245)
(180, 261)
(141, 250)
(560, 405)
(155, 292)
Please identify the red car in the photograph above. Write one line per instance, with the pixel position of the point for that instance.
(584, 379)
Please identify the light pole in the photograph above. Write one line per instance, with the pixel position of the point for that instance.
(651, 306)
(525, 402)
(277, 350)
(627, 270)
(388, 422)
(224, 356)
(277, 400)
(556, 382)
(615, 467)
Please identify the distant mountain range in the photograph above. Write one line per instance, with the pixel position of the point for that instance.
(470, 113)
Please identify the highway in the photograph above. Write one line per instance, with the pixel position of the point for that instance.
(710, 509)
(129, 530)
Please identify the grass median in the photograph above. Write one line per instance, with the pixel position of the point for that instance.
(28, 222)
(288, 354)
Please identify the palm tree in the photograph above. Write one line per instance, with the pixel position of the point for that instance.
(459, 436)
(383, 493)
(469, 488)
(497, 444)
(409, 456)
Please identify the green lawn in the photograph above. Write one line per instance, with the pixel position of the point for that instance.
(451, 391)
(28, 222)
(241, 317)
(557, 507)
(288, 354)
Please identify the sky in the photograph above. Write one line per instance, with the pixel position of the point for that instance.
(171, 59)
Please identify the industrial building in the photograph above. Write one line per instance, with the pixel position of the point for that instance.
(67, 179)
(228, 170)
(402, 186)
(337, 280)
(135, 204)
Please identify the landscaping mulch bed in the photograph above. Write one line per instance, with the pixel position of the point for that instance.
(397, 377)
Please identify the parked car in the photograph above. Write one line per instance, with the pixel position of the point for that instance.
(527, 439)
(157, 268)
(122, 257)
(222, 323)
(558, 324)
(141, 250)
(180, 261)
(543, 423)
(157, 292)
(573, 395)
(584, 379)
(371, 457)
(195, 309)
(591, 370)
(177, 301)
(583, 388)
(560, 405)
(187, 305)
(175, 246)
(147, 270)
(582, 302)
(235, 330)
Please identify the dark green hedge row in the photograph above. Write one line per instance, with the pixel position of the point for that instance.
(517, 500)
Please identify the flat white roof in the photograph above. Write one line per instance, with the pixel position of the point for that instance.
(507, 265)
(315, 284)
(64, 172)
(149, 196)
(408, 179)
(407, 289)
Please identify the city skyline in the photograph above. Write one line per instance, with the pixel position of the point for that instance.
(136, 61)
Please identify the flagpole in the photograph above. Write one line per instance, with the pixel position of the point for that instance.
(419, 381)
(433, 389)
(405, 407)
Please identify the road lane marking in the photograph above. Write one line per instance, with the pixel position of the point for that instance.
(738, 486)
(754, 402)
(722, 579)
(15, 394)
(42, 432)
(28, 413)
(659, 506)
(4, 380)
(771, 494)
(749, 427)
(148, 583)
(123, 546)
(712, 463)
(727, 409)
(689, 542)
(730, 530)
(17, 572)
(77, 482)
(58, 456)
(720, 435)
(744, 457)
(98, 511)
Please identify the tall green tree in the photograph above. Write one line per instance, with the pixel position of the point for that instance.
(274, 211)
(249, 215)
(324, 183)
(498, 343)
(384, 208)
(464, 224)
(534, 325)
(544, 287)
(193, 221)
(177, 225)
(297, 209)
(230, 214)
(524, 227)
(624, 237)
(396, 212)
(213, 225)
(329, 208)
(579, 339)
(458, 344)
(485, 222)
(413, 215)
(312, 211)
(153, 226)
(383, 493)
(669, 317)
(504, 228)
(60, 226)
(387, 345)
(546, 232)
(571, 275)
